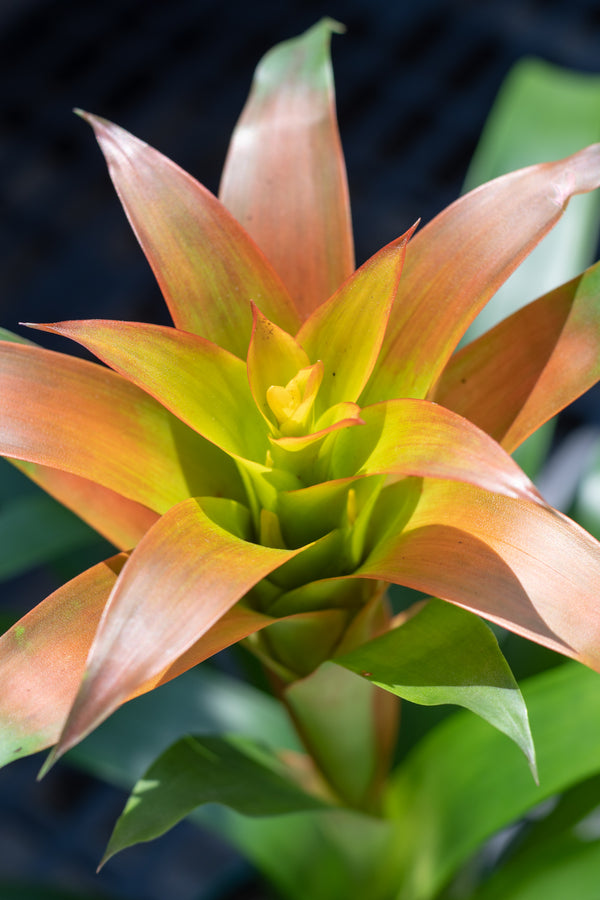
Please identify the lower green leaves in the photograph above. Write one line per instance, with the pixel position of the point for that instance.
(231, 770)
(444, 654)
(459, 785)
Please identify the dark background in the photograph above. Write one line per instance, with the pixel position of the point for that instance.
(415, 81)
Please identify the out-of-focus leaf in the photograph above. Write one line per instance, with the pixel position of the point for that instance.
(234, 771)
(542, 112)
(586, 506)
(489, 232)
(443, 654)
(564, 867)
(202, 700)
(34, 529)
(459, 785)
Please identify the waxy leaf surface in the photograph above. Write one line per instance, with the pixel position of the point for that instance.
(527, 368)
(207, 266)
(42, 660)
(169, 595)
(347, 331)
(203, 385)
(79, 417)
(234, 771)
(286, 146)
(121, 521)
(415, 437)
(511, 561)
(442, 814)
(458, 261)
(443, 654)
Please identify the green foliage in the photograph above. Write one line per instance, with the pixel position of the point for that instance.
(444, 654)
(230, 770)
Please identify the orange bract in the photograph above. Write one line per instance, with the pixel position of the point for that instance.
(281, 444)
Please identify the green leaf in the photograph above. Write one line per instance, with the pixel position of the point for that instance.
(233, 771)
(542, 112)
(35, 529)
(444, 654)
(564, 867)
(202, 700)
(462, 782)
(6, 335)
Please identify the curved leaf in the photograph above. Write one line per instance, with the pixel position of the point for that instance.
(521, 565)
(202, 384)
(286, 146)
(121, 521)
(184, 575)
(441, 813)
(79, 417)
(531, 365)
(443, 654)
(347, 331)
(207, 266)
(42, 660)
(234, 771)
(415, 437)
(274, 358)
(458, 261)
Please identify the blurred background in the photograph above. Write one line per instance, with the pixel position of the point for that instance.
(415, 82)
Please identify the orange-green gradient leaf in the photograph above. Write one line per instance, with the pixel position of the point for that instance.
(459, 260)
(42, 660)
(79, 417)
(285, 177)
(202, 384)
(121, 521)
(416, 437)
(184, 575)
(521, 565)
(207, 266)
(530, 366)
(347, 331)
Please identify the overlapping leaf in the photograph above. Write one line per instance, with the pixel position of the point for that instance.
(286, 146)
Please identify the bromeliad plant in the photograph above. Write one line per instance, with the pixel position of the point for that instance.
(305, 436)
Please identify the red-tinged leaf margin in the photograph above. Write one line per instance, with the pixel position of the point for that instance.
(81, 418)
(207, 266)
(42, 660)
(202, 384)
(185, 574)
(523, 566)
(527, 368)
(458, 261)
(286, 145)
(121, 521)
(419, 438)
(348, 330)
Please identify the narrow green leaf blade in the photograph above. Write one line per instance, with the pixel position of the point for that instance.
(443, 813)
(233, 771)
(444, 654)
